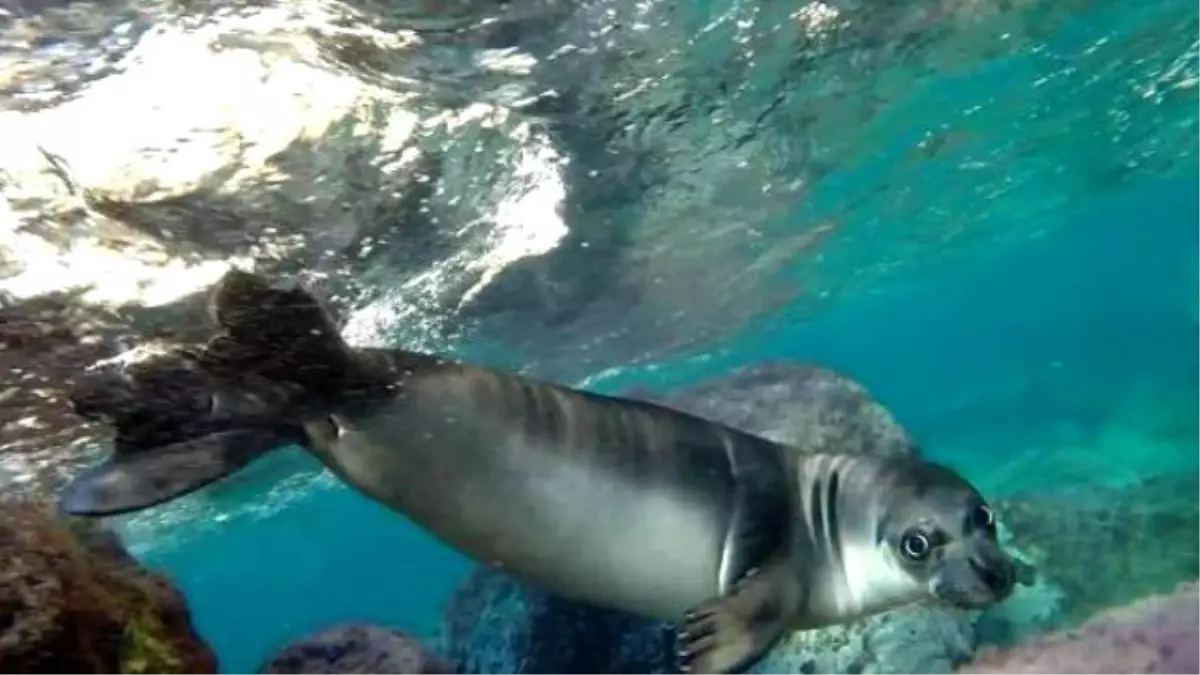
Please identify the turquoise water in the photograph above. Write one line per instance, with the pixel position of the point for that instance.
(1068, 360)
(330, 557)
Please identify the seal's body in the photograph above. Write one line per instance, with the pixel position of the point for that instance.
(625, 504)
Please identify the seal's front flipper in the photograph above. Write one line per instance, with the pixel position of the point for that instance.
(730, 633)
(138, 479)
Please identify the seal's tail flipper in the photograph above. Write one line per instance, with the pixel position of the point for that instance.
(175, 430)
(281, 336)
(136, 480)
(731, 633)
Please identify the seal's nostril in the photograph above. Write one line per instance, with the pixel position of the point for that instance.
(995, 580)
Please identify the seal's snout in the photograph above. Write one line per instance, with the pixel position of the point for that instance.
(996, 574)
(977, 574)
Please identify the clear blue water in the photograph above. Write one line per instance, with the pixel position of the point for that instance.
(1008, 366)
(329, 558)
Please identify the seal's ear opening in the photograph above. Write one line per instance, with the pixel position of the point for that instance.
(137, 480)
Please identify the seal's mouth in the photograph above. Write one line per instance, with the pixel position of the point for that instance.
(977, 576)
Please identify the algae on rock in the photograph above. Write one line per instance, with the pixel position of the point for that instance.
(75, 601)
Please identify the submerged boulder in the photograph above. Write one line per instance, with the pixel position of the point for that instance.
(497, 624)
(356, 648)
(1138, 540)
(818, 408)
(72, 600)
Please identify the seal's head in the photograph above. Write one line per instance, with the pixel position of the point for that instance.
(940, 533)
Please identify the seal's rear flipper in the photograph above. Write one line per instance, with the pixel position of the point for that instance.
(730, 633)
(136, 480)
(274, 336)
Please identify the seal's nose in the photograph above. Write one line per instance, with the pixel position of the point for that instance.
(995, 574)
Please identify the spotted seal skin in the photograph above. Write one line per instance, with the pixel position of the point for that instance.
(624, 504)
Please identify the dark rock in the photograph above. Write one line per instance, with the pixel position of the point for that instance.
(74, 601)
(495, 624)
(356, 648)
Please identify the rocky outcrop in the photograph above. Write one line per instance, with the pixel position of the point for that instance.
(822, 410)
(495, 624)
(1138, 540)
(75, 602)
(356, 648)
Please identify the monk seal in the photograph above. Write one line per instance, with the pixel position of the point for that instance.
(624, 504)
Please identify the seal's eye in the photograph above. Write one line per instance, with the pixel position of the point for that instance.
(915, 545)
(983, 517)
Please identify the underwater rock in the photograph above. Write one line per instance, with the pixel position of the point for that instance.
(74, 601)
(919, 639)
(496, 624)
(794, 402)
(356, 648)
(1108, 546)
(1159, 634)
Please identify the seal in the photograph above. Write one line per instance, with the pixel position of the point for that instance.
(625, 504)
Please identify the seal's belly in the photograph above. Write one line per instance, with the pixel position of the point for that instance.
(542, 512)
